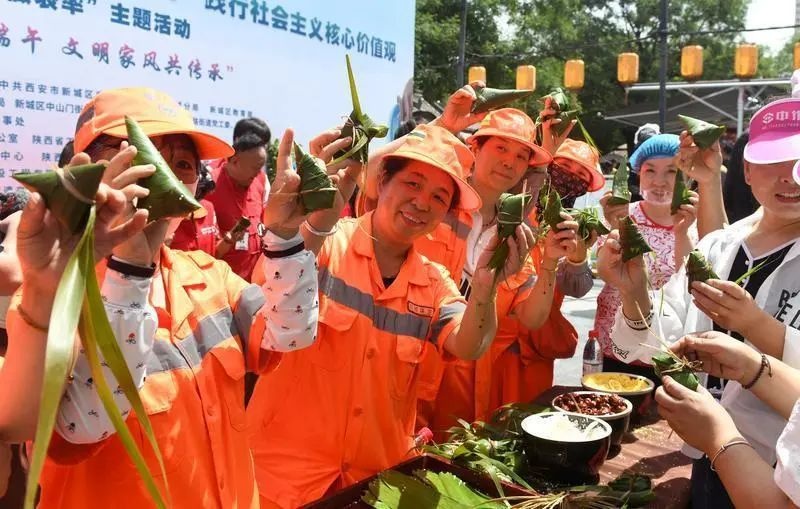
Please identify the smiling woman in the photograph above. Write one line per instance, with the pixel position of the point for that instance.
(383, 307)
(758, 261)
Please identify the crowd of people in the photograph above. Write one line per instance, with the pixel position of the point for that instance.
(354, 327)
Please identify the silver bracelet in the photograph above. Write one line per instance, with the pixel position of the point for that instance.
(314, 231)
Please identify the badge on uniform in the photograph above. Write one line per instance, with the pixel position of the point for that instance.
(244, 243)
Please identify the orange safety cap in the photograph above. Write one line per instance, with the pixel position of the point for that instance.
(156, 112)
(515, 125)
(585, 155)
(437, 147)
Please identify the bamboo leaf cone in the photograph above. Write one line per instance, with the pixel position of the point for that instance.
(566, 108)
(510, 214)
(589, 221)
(666, 365)
(168, 196)
(488, 99)
(703, 133)
(620, 193)
(359, 125)
(553, 209)
(631, 241)
(54, 187)
(698, 268)
(680, 194)
(317, 191)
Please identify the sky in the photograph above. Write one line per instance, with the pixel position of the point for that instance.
(765, 13)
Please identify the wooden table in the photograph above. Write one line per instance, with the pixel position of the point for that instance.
(649, 449)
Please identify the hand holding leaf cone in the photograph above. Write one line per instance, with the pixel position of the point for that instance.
(317, 191)
(488, 99)
(631, 241)
(620, 193)
(680, 194)
(67, 192)
(567, 110)
(698, 268)
(359, 126)
(168, 196)
(703, 133)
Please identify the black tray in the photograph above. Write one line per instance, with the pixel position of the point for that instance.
(350, 497)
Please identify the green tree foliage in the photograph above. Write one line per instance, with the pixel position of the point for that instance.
(545, 33)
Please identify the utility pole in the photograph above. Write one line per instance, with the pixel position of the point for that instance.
(662, 75)
(462, 44)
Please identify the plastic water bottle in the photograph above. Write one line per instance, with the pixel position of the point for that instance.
(592, 355)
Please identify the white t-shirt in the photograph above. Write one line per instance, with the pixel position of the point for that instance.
(787, 472)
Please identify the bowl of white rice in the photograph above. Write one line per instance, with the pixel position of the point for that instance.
(566, 447)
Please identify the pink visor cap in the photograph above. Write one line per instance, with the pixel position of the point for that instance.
(775, 134)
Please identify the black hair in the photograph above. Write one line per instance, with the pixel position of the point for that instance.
(393, 165)
(405, 128)
(101, 143)
(737, 195)
(248, 141)
(254, 126)
(67, 153)
(205, 184)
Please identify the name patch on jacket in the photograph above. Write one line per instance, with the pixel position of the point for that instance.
(420, 310)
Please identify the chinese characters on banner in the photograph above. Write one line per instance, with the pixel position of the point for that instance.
(223, 60)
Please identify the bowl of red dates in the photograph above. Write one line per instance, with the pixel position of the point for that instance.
(613, 409)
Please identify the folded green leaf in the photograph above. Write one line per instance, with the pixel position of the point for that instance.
(698, 268)
(488, 99)
(703, 133)
(510, 214)
(667, 365)
(59, 352)
(680, 194)
(97, 334)
(168, 196)
(589, 221)
(317, 191)
(620, 193)
(68, 193)
(359, 126)
(567, 109)
(631, 241)
(553, 210)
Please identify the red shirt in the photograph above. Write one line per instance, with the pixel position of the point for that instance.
(199, 232)
(232, 202)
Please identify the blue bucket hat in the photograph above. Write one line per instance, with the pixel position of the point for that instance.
(656, 147)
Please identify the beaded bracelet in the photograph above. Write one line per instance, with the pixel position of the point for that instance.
(765, 365)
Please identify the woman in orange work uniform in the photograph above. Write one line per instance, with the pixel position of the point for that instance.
(187, 327)
(345, 409)
(525, 370)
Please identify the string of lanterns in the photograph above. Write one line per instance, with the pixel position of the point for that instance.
(745, 66)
